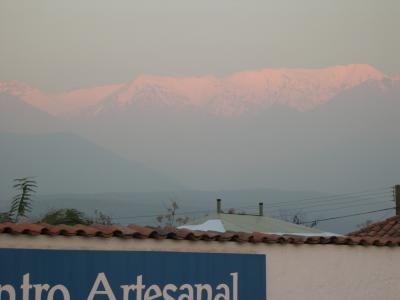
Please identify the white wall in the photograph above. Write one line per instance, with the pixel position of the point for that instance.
(306, 272)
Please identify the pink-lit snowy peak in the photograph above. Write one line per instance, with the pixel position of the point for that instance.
(301, 89)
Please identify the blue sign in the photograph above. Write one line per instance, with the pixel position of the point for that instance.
(130, 275)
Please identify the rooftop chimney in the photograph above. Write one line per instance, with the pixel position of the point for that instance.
(219, 206)
(261, 209)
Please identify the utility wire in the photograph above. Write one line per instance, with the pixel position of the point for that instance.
(329, 203)
(208, 211)
(312, 211)
(346, 216)
(336, 196)
(348, 206)
(325, 200)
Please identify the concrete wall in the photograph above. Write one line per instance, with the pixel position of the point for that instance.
(309, 272)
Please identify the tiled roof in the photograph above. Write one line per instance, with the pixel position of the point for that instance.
(388, 229)
(139, 232)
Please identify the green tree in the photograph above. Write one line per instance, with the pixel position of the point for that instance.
(67, 216)
(72, 216)
(21, 203)
(5, 217)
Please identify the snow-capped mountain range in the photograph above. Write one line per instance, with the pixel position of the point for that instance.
(300, 89)
(303, 128)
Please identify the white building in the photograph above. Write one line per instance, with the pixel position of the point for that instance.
(328, 268)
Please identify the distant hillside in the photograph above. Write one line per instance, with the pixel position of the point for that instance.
(20, 117)
(66, 163)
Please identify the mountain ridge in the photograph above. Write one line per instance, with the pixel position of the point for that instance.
(235, 94)
(328, 146)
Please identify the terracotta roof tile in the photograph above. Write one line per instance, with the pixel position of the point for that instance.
(389, 228)
(385, 233)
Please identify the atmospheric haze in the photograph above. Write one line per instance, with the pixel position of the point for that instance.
(147, 96)
(62, 45)
(318, 129)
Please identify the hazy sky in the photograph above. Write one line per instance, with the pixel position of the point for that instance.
(58, 45)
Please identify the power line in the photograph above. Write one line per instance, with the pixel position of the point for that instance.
(348, 206)
(208, 211)
(364, 204)
(329, 203)
(339, 196)
(330, 199)
(346, 216)
(312, 202)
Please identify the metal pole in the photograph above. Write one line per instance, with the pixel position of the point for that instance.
(397, 198)
(219, 206)
(261, 209)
